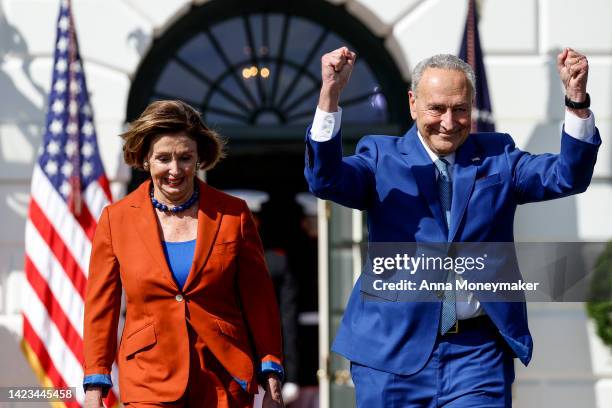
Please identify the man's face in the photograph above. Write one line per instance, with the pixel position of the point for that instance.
(442, 107)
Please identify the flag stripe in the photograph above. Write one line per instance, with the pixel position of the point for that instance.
(39, 349)
(58, 247)
(51, 271)
(57, 356)
(104, 184)
(87, 221)
(40, 372)
(49, 375)
(96, 199)
(61, 321)
(111, 399)
(115, 379)
(60, 217)
(59, 353)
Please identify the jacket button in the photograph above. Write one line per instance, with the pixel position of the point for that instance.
(179, 298)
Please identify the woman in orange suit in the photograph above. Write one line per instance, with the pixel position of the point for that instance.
(202, 327)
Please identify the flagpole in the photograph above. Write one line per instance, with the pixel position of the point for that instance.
(75, 179)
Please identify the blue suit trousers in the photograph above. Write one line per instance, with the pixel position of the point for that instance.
(473, 368)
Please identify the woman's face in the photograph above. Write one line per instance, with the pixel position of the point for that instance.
(172, 163)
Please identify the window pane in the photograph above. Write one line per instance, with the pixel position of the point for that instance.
(200, 53)
(179, 83)
(231, 36)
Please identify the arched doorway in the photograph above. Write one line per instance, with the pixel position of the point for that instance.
(253, 69)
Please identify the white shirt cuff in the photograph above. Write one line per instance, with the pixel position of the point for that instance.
(325, 125)
(578, 128)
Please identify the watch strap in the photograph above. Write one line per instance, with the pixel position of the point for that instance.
(578, 105)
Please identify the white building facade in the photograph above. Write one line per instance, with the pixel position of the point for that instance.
(520, 39)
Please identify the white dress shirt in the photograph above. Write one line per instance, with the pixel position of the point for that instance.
(326, 125)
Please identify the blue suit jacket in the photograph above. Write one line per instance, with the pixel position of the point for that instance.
(393, 178)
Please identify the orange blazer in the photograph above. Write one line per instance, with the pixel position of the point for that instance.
(228, 298)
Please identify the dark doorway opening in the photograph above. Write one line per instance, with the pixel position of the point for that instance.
(268, 167)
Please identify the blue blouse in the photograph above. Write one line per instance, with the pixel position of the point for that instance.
(179, 256)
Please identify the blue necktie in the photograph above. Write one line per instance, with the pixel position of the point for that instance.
(445, 193)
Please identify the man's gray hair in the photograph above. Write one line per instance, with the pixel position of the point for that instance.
(443, 61)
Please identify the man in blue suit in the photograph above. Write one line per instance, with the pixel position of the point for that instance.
(439, 183)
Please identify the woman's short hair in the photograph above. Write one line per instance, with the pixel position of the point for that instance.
(171, 117)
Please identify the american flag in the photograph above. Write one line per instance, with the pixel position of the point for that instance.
(471, 52)
(69, 191)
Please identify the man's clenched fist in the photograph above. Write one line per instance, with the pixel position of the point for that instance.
(573, 70)
(336, 68)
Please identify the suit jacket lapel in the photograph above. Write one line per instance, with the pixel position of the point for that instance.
(424, 173)
(464, 176)
(145, 222)
(209, 221)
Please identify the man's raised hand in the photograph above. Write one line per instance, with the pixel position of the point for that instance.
(573, 69)
(336, 68)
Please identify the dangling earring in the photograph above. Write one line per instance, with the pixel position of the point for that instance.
(145, 166)
(197, 165)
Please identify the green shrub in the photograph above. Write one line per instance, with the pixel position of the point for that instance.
(600, 308)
